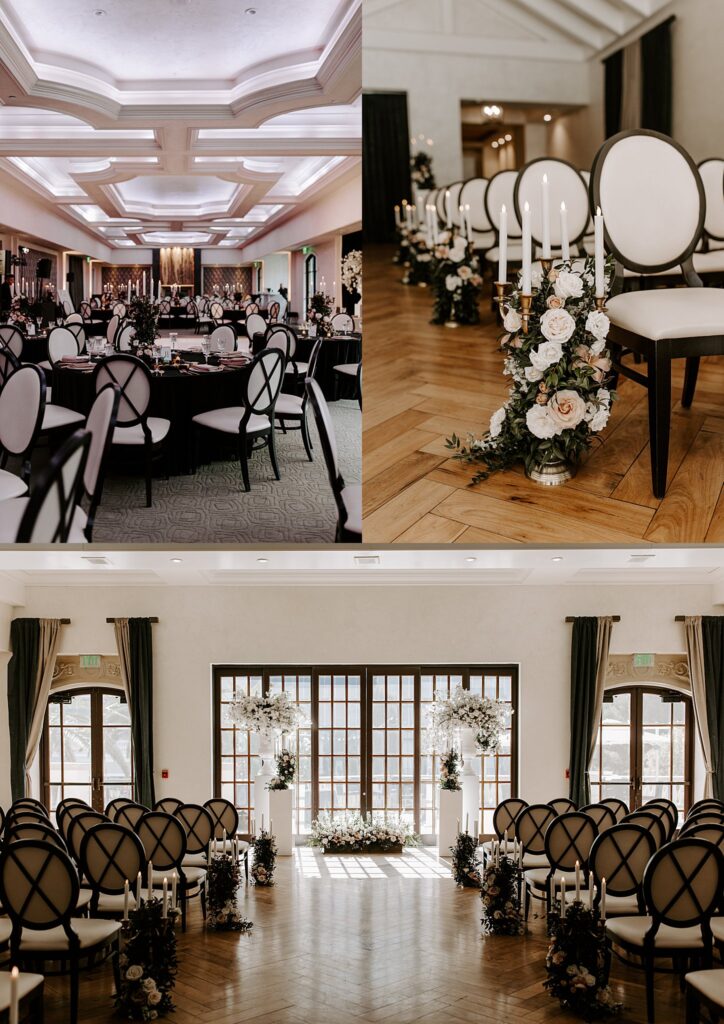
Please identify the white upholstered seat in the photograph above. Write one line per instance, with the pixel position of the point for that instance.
(535, 860)
(616, 906)
(709, 262)
(113, 904)
(539, 877)
(57, 416)
(350, 369)
(670, 313)
(6, 927)
(27, 983)
(633, 929)
(709, 984)
(289, 405)
(352, 498)
(11, 486)
(717, 928)
(134, 435)
(227, 420)
(91, 932)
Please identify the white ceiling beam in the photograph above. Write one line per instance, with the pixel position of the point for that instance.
(562, 19)
(608, 15)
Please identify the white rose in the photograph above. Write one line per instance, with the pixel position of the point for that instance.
(568, 285)
(452, 282)
(134, 972)
(557, 325)
(567, 409)
(547, 354)
(536, 278)
(424, 257)
(496, 421)
(597, 348)
(598, 324)
(465, 273)
(512, 321)
(604, 395)
(458, 250)
(599, 419)
(540, 423)
(532, 375)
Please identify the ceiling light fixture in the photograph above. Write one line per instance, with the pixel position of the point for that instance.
(100, 13)
(177, 561)
(493, 110)
(471, 559)
(495, 145)
(547, 117)
(557, 558)
(508, 138)
(262, 561)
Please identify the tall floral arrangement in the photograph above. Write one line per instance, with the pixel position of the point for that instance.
(457, 282)
(577, 964)
(418, 259)
(269, 715)
(264, 849)
(465, 710)
(465, 863)
(148, 963)
(501, 901)
(352, 271)
(223, 878)
(560, 394)
(421, 170)
(320, 306)
(144, 315)
(355, 832)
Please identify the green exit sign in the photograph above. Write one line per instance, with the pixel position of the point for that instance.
(90, 661)
(643, 660)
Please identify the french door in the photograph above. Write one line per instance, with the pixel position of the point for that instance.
(86, 749)
(644, 748)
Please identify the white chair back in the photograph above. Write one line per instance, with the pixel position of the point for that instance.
(652, 199)
(565, 185)
(223, 338)
(74, 318)
(255, 324)
(712, 176)
(112, 328)
(500, 192)
(61, 342)
(22, 401)
(473, 195)
(49, 513)
(99, 424)
(120, 310)
(319, 403)
(78, 332)
(11, 337)
(133, 378)
(125, 337)
(265, 381)
(342, 322)
(216, 311)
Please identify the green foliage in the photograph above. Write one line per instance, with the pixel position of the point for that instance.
(286, 770)
(577, 964)
(223, 878)
(148, 963)
(501, 902)
(421, 170)
(265, 858)
(450, 771)
(144, 315)
(465, 864)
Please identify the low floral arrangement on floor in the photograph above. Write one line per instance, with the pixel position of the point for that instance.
(577, 964)
(269, 715)
(352, 271)
(264, 848)
(356, 833)
(148, 963)
(465, 863)
(286, 770)
(465, 710)
(560, 397)
(421, 170)
(502, 913)
(450, 771)
(223, 878)
(457, 282)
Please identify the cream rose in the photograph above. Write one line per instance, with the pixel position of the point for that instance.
(567, 409)
(568, 285)
(557, 325)
(465, 273)
(134, 972)
(452, 282)
(532, 375)
(540, 422)
(547, 354)
(496, 421)
(458, 250)
(598, 324)
(553, 302)
(512, 321)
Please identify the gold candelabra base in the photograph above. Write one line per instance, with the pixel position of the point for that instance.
(547, 266)
(525, 304)
(501, 291)
(601, 304)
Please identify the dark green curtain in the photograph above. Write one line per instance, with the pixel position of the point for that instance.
(613, 71)
(22, 674)
(75, 287)
(712, 632)
(140, 682)
(385, 163)
(583, 705)
(657, 79)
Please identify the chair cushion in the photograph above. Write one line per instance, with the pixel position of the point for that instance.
(717, 928)
(539, 878)
(11, 486)
(352, 498)
(57, 416)
(616, 906)
(90, 931)
(11, 512)
(226, 421)
(6, 927)
(108, 904)
(350, 369)
(535, 860)
(633, 929)
(664, 313)
(709, 984)
(709, 262)
(194, 875)
(194, 860)
(27, 983)
(288, 405)
(134, 435)
(297, 368)
(515, 253)
(84, 898)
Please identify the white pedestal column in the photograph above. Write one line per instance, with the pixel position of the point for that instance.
(267, 765)
(449, 816)
(280, 814)
(470, 781)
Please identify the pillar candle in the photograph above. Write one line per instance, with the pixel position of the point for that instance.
(546, 218)
(603, 899)
(144, 283)
(503, 245)
(138, 889)
(149, 886)
(164, 912)
(271, 827)
(565, 246)
(578, 880)
(467, 821)
(468, 222)
(223, 842)
(505, 841)
(552, 891)
(527, 285)
(14, 996)
(125, 901)
(563, 897)
(599, 256)
(590, 892)
(159, 290)
(448, 211)
(174, 883)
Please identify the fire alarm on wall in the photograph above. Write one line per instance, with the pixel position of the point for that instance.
(164, 773)
(568, 773)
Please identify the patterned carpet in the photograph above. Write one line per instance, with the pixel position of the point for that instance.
(212, 508)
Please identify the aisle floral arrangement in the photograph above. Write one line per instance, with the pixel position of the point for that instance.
(148, 962)
(450, 771)
(465, 710)
(264, 849)
(457, 282)
(421, 170)
(355, 833)
(577, 964)
(465, 863)
(269, 715)
(286, 770)
(502, 913)
(560, 396)
(223, 878)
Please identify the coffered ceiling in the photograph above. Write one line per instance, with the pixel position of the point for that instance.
(189, 122)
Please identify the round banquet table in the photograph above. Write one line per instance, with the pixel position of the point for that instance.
(177, 397)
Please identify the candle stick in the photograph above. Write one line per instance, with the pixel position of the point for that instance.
(164, 913)
(565, 245)
(149, 887)
(398, 222)
(138, 890)
(590, 892)
(503, 245)
(223, 842)
(14, 996)
(563, 897)
(469, 222)
(578, 880)
(467, 820)
(271, 827)
(448, 212)
(505, 841)
(125, 901)
(526, 283)
(546, 217)
(552, 892)
(599, 255)
(603, 899)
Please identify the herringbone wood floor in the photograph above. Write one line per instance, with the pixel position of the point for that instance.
(422, 383)
(368, 940)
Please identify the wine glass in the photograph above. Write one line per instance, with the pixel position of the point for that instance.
(205, 348)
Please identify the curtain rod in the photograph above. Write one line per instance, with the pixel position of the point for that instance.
(572, 618)
(64, 622)
(151, 619)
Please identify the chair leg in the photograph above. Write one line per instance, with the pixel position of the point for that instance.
(273, 453)
(690, 375)
(149, 473)
(659, 420)
(244, 461)
(202, 893)
(649, 969)
(692, 1006)
(306, 438)
(74, 978)
(117, 966)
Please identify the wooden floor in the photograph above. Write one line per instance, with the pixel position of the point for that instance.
(361, 940)
(423, 382)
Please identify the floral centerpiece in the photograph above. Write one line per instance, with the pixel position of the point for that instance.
(144, 315)
(577, 964)
(457, 282)
(148, 963)
(465, 710)
(465, 864)
(501, 900)
(560, 395)
(352, 274)
(223, 878)
(421, 170)
(354, 833)
(269, 715)
(420, 262)
(264, 849)
(450, 771)
(286, 770)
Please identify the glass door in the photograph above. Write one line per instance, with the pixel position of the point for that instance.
(339, 751)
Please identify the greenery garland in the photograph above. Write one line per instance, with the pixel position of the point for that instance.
(577, 964)
(502, 914)
(223, 878)
(286, 770)
(465, 864)
(148, 963)
(265, 858)
(450, 771)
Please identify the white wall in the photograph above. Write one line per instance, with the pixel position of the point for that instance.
(364, 625)
(276, 270)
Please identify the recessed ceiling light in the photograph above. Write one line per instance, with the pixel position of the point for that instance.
(471, 559)
(557, 558)
(547, 117)
(100, 13)
(12, 96)
(177, 561)
(262, 561)
(495, 145)
(508, 138)
(250, 10)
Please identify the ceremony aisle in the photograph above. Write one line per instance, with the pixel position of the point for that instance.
(426, 382)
